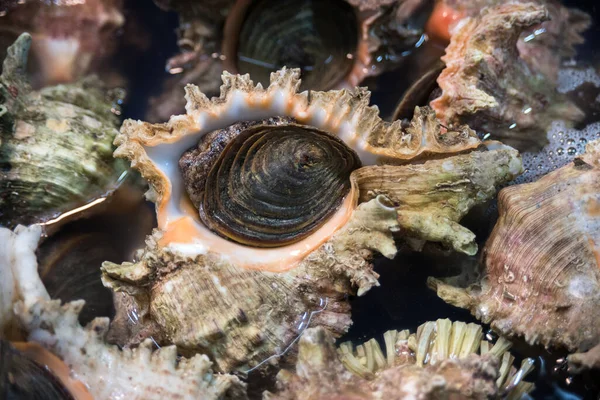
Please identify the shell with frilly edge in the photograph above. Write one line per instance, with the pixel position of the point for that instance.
(205, 290)
(541, 264)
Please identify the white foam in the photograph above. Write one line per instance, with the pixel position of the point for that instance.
(564, 145)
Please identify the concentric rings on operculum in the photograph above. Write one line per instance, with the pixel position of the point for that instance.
(319, 37)
(271, 185)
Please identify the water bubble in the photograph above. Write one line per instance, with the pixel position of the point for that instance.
(571, 151)
(491, 336)
(562, 141)
(560, 151)
(570, 142)
(561, 133)
(569, 380)
(583, 140)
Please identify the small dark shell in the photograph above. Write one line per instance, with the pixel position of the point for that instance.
(23, 378)
(316, 37)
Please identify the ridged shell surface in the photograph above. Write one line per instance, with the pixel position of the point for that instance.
(106, 371)
(488, 86)
(55, 144)
(320, 375)
(244, 303)
(541, 265)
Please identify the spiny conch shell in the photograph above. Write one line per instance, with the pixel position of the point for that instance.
(106, 371)
(55, 145)
(244, 296)
(337, 43)
(541, 265)
(441, 358)
(488, 86)
(432, 197)
(543, 47)
(71, 39)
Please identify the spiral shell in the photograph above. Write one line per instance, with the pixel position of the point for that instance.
(336, 43)
(55, 145)
(243, 292)
(106, 371)
(541, 265)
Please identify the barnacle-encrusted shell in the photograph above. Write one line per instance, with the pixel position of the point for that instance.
(442, 359)
(70, 38)
(541, 265)
(242, 303)
(108, 373)
(55, 144)
(339, 42)
(488, 86)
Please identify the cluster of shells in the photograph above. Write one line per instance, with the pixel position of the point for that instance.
(272, 203)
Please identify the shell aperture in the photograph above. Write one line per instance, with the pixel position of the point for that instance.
(271, 185)
(315, 36)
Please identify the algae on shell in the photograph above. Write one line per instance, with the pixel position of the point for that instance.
(55, 144)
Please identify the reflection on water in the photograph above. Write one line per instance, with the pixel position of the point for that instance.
(70, 256)
(303, 323)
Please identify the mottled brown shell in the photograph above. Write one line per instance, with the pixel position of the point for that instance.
(488, 86)
(541, 265)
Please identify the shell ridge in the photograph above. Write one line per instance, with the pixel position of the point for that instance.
(540, 267)
(98, 365)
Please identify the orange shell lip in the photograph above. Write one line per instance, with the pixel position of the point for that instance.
(362, 59)
(441, 21)
(56, 366)
(188, 231)
(177, 218)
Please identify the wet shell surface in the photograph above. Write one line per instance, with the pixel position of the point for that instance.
(95, 369)
(243, 292)
(21, 377)
(55, 144)
(487, 85)
(336, 43)
(543, 47)
(71, 39)
(441, 359)
(541, 265)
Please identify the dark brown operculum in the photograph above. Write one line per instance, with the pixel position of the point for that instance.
(268, 184)
(196, 162)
